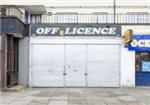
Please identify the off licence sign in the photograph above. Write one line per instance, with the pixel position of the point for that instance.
(75, 30)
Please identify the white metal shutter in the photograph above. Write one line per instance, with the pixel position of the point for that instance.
(75, 65)
(103, 65)
(50, 62)
(47, 65)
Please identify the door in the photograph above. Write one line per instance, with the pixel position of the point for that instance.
(103, 65)
(47, 65)
(75, 65)
(142, 67)
(12, 61)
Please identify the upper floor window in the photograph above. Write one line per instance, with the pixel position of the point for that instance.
(35, 18)
(66, 17)
(99, 17)
(137, 17)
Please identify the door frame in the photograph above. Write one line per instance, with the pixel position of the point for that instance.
(9, 60)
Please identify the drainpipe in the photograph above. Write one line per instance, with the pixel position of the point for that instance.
(114, 5)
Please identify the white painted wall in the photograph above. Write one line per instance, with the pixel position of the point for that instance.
(127, 67)
(75, 40)
(127, 9)
(132, 2)
(137, 29)
(58, 2)
(77, 2)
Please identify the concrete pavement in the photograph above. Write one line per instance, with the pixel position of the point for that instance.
(77, 96)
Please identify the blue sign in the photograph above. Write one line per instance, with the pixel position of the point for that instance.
(146, 66)
(140, 43)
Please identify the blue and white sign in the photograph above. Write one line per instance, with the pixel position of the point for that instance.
(146, 66)
(140, 43)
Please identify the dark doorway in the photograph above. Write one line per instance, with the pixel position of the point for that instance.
(12, 61)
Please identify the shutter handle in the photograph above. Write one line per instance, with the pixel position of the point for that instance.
(64, 74)
(85, 74)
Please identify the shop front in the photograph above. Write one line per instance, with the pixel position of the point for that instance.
(82, 55)
(141, 45)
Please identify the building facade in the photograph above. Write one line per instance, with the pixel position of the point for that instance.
(12, 30)
(78, 44)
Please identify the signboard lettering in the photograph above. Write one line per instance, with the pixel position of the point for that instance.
(74, 30)
(140, 43)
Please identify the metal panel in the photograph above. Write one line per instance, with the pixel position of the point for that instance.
(23, 61)
(81, 65)
(47, 65)
(12, 25)
(75, 65)
(142, 78)
(103, 65)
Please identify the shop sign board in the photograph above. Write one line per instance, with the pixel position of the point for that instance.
(140, 43)
(146, 66)
(75, 30)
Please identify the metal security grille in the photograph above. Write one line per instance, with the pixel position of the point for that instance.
(66, 17)
(129, 18)
(133, 17)
(99, 17)
(36, 18)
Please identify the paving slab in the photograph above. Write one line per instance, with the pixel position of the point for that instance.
(127, 98)
(77, 96)
(58, 102)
